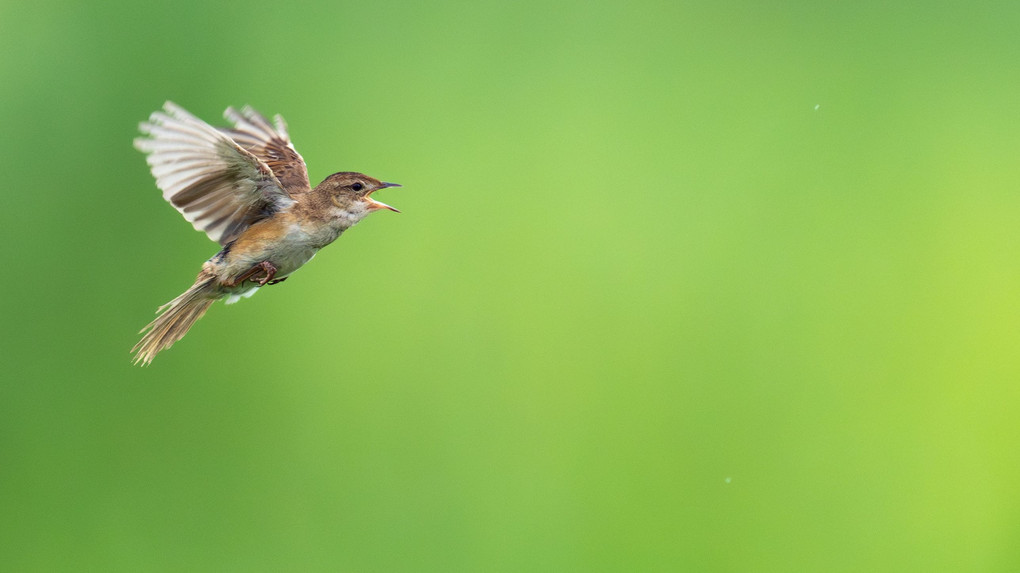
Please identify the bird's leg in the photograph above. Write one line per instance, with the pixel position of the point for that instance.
(270, 270)
(265, 266)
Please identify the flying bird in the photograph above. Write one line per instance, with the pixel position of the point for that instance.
(247, 188)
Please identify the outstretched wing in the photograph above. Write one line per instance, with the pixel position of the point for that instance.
(215, 183)
(271, 144)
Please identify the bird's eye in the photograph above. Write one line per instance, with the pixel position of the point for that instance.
(357, 186)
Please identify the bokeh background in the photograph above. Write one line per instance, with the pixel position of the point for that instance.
(677, 286)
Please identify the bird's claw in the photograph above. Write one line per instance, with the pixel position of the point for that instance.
(270, 271)
(263, 267)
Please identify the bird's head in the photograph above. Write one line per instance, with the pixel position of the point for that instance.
(350, 193)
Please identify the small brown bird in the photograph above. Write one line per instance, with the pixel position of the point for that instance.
(247, 188)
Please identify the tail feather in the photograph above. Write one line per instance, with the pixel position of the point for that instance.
(174, 320)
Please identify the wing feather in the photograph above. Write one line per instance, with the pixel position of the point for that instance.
(271, 144)
(220, 187)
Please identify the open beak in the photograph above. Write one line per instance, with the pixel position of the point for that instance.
(375, 205)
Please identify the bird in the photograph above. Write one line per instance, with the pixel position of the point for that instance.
(247, 188)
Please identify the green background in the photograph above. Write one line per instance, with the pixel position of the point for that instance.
(677, 286)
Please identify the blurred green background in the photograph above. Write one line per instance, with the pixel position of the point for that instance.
(677, 286)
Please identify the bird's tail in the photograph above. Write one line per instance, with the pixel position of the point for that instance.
(175, 318)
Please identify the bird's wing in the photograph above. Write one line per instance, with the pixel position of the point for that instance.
(271, 144)
(215, 183)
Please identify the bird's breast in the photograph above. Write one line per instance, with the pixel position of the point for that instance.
(287, 244)
(298, 247)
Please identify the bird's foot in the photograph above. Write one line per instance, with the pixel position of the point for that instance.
(263, 267)
(270, 271)
(276, 281)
